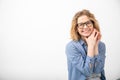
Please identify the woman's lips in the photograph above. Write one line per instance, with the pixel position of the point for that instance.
(86, 31)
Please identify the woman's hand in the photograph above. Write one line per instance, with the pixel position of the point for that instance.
(93, 38)
(97, 42)
(92, 42)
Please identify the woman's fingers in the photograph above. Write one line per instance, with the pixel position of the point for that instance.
(94, 37)
(99, 37)
(93, 33)
(96, 34)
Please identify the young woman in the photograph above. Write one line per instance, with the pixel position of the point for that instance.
(85, 53)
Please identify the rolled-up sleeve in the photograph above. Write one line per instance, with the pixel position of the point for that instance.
(85, 66)
(100, 59)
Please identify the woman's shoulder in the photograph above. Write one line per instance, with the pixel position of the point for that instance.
(101, 43)
(102, 46)
(72, 43)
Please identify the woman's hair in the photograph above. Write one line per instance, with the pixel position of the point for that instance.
(74, 32)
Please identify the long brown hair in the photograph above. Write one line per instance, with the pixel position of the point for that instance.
(74, 33)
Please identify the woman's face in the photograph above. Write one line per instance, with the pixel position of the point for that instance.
(84, 26)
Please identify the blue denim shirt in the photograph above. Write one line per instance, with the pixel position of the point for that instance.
(81, 66)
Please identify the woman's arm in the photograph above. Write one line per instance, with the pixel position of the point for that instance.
(85, 66)
(100, 58)
(97, 49)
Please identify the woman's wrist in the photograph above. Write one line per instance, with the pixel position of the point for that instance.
(91, 51)
(96, 50)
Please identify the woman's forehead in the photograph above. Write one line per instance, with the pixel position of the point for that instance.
(83, 18)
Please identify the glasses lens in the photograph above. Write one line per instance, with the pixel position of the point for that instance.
(80, 25)
(88, 24)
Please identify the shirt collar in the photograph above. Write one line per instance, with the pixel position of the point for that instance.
(82, 42)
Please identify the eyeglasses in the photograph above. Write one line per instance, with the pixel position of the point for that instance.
(87, 23)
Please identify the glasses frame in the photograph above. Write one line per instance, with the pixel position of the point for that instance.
(88, 23)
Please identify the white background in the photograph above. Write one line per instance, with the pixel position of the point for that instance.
(33, 35)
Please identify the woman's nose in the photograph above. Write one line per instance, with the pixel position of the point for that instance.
(84, 26)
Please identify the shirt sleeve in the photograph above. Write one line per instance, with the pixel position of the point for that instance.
(100, 59)
(85, 66)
